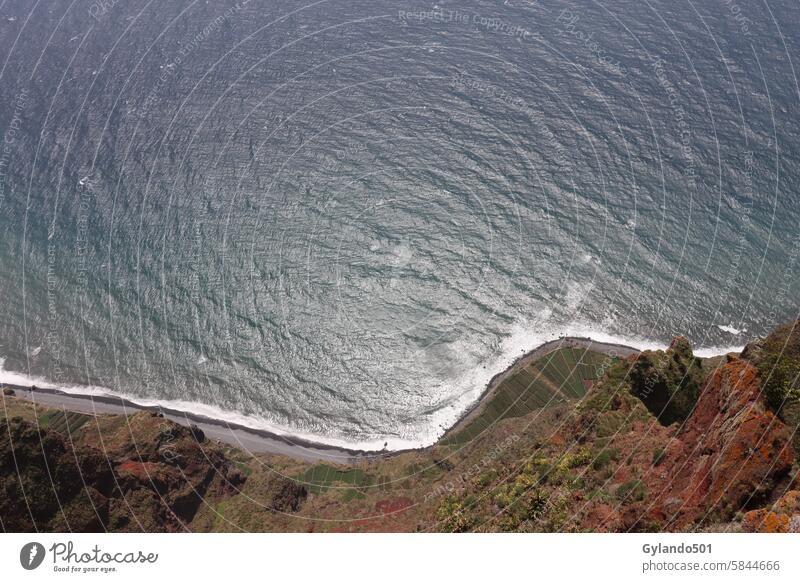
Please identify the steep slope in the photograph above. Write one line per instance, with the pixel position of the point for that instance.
(137, 473)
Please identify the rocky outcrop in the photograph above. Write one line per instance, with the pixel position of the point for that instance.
(668, 383)
(777, 358)
(729, 456)
(285, 495)
(149, 474)
(782, 517)
(42, 484)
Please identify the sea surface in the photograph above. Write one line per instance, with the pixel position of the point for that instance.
(340, 219)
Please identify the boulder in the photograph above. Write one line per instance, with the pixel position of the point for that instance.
(197, 433)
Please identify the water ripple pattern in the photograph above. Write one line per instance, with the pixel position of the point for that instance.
(340, 219)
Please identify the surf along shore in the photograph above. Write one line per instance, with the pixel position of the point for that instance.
(262, 441)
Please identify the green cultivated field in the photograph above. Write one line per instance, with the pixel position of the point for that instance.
(65, 422)
(321, 478)
(556, 378)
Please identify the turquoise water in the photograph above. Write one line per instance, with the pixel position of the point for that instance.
(341, 219)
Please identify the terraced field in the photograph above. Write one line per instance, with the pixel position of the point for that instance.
(556, 378)
(321, 478)
(65, 422)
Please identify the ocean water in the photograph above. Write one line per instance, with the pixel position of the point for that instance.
(340, 219)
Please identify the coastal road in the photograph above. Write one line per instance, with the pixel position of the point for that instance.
(247, 439)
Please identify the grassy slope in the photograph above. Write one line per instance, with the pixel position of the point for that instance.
(407, 492)
(554, 379)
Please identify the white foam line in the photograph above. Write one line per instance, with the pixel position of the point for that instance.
(520, 342)
(9, 377)
(717, 351)
(253, 422)
(731, 330)
(208, 411)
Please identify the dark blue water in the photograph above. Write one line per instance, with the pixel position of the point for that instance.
(340, 219)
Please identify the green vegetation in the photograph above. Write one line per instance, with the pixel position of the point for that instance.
(777, 358)
(454, 516)
(609, 424)
(534, 498)
(556, 378)
(604, 457)
(572, 460)
(632, 490)
(778, 363)
(321, 478)
(65, 422)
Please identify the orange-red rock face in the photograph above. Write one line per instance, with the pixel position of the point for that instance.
(782, 517)
(730, 452)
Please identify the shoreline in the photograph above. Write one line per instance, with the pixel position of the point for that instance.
(607, 348)
(256, 440)
(246, 438)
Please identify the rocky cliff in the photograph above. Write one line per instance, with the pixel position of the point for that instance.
(663, 442)
(136, 473)
(731, 454)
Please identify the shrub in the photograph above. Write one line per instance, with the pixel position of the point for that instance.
(632, 490)
(454, 517)
(778, 363)
(604, 457)
(486, 478)
(572, 460)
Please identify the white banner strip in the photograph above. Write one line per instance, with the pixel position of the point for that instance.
(348, 557)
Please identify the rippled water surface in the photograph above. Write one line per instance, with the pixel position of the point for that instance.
(340, 219)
